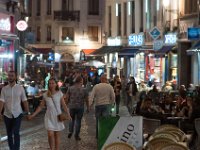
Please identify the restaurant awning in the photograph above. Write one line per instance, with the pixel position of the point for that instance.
(88, 51)
(27, 51)
(40, 45)
(107, 49)
(41, 48)
(128, 51)
(164, 50)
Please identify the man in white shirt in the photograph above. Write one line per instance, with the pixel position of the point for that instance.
(11, 97)
(104, 97)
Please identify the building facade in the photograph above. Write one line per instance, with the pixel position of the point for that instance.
(170, 62)
(66, 27)
(8, 37)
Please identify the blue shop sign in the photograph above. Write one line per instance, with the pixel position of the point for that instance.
(136, 39)
(157, 44)
(154, 33)
(193, 33)
(170, 39)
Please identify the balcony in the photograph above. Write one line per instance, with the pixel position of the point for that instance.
(67, 15)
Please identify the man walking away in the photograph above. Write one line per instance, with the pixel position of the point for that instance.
(104, 97)
(11, 97)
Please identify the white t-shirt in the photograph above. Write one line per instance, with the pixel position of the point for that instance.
(102, 94)
(12, 97)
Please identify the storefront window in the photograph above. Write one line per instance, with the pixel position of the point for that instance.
(6, 59)
(140, 67)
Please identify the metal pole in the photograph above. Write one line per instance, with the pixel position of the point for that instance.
(198, 4)
(198, 56)
(178, 17)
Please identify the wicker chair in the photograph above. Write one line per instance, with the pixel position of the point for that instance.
(165, 134)
(150, 125)
(119, 146)
(166, 127)
(157, 143)
(179, 133)
(174, 146)
(197, 127)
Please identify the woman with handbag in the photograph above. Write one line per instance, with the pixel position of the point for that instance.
(53, 99)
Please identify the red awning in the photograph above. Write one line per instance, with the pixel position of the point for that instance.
(88, 51)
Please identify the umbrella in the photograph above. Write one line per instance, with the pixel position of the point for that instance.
(94, 63)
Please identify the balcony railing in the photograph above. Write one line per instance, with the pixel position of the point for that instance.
(67, 15)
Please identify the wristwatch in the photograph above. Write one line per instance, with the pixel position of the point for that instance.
(27, 113)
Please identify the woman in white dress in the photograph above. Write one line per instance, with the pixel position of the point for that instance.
(53, 99)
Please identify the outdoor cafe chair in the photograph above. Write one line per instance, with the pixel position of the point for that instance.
(119, 146)
(166, 127)
(149, 126)
(165, 134)
(174, 146)
(157, 143)
(172, 129)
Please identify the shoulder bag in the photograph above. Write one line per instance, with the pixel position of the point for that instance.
(61, 117)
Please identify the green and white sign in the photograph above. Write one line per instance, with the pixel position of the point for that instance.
(120, 129)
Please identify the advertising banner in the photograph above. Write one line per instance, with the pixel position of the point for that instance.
(126, 130)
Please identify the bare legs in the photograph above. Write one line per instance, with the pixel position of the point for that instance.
(54, 139)
(57, 139)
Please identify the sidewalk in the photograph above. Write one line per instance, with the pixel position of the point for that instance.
(38, 140)
(34, 135)
(26, 126)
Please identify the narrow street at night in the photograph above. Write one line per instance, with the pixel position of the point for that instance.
(34, 135)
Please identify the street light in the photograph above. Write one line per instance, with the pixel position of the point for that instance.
(166, 3)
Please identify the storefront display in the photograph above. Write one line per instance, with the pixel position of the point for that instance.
(7, 50)
(140, 67)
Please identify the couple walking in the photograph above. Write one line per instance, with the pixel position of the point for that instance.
(11, 97)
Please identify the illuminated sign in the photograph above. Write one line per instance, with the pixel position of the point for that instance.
(5, 24)
(170, 39)
(157, 44)
(21, 25)
(114, 41)
(193, 33)
(136, 39)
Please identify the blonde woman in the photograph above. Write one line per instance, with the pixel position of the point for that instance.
(53, 99)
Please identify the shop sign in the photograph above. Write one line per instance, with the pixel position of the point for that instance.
(193, 33)
(5, 24)
(154, 33)
(114, 41)
(157, 44)
(136, 39)
(170, 39)
(21, 25)
(127, 130)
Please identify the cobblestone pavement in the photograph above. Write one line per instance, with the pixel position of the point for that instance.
(37, 139)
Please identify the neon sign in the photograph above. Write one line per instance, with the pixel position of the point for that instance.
(22, 25)
(5, 25)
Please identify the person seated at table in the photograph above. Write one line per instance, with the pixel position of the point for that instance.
(149, 110)
(154, 95)
(167, 105)
(32, 89)
(167, 87)
(186, 109)
(182, 107)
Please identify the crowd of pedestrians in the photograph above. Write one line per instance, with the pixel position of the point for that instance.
(79, 92)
